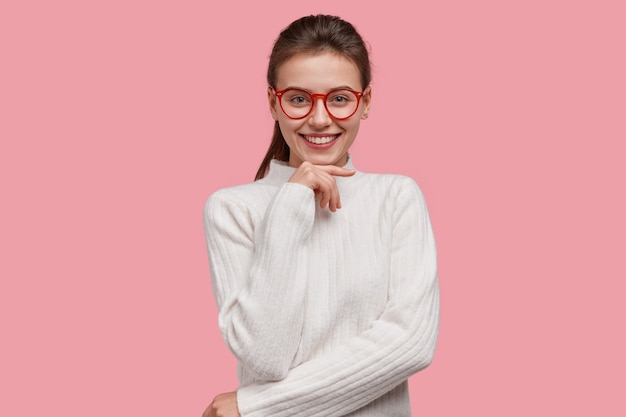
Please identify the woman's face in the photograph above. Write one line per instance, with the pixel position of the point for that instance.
(318, 74)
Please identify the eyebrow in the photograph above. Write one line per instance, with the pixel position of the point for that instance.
(309, 91)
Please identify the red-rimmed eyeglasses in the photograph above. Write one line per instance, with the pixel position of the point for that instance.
(340, 103)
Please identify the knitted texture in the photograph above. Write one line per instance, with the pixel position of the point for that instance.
(327, 313)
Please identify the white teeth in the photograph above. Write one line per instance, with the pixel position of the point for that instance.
(320, 140)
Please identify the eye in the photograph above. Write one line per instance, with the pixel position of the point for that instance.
(298, 99)
(339, 98)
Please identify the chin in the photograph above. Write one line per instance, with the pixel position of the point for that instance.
(322, 160)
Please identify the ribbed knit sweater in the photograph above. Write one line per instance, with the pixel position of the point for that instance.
(327, 313)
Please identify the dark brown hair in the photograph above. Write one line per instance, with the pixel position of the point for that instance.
(312, 35)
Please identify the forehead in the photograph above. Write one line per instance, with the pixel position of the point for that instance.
(319, 72)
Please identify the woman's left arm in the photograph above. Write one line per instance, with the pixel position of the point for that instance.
(398, 344)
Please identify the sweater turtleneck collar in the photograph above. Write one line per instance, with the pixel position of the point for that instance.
(280, 172)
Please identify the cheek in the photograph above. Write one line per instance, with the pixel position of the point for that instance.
(352, 125)
(288, 126)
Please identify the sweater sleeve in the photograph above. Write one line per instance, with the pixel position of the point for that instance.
(256, 276)
(398, 344)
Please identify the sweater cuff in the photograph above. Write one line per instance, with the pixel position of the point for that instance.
(292, 209)
(246, 403)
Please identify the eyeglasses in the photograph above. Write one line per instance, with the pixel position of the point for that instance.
(341, 103)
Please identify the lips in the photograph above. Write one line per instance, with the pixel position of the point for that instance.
(319, 139)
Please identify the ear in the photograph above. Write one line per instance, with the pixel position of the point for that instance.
(271, 99)
(367, 102)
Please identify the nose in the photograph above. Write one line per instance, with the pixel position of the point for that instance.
(319, 117)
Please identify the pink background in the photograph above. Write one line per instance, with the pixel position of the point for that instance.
(119, 118)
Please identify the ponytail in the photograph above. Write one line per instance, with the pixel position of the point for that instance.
(278, 150)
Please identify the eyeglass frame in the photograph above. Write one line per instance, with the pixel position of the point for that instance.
(314, 97)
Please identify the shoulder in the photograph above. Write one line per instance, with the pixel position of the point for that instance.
(243, 194)
(231, 194)
(391, 185)
(239, 198)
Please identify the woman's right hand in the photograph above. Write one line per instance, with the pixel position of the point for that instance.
(321, 179)
(223, 405)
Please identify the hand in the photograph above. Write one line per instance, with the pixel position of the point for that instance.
(321, 179)
(223, 405)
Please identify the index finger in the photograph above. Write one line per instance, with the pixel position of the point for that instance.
(337, 171)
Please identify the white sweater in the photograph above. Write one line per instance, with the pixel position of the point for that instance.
(327, 313)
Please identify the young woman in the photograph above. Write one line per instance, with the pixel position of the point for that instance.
(325, 276)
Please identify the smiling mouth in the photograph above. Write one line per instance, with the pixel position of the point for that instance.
(320, 140)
